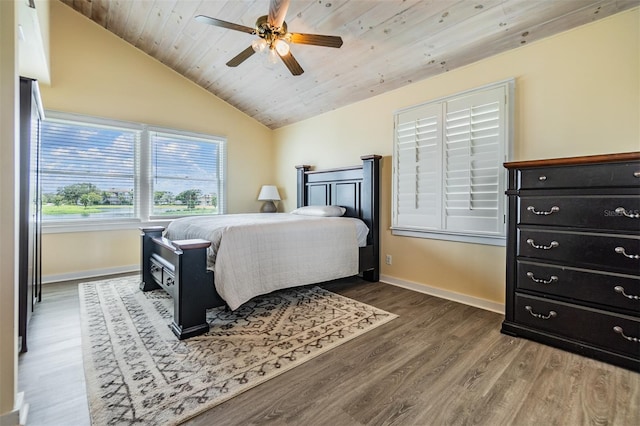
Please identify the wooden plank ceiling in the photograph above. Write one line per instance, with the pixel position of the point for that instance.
(387, 43)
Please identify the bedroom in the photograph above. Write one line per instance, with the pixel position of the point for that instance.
(605, 51)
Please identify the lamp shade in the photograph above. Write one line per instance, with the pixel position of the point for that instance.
(269, 193)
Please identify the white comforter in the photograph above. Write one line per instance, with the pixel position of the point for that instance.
(253, 254)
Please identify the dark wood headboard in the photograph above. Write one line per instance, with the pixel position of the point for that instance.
(355, 188)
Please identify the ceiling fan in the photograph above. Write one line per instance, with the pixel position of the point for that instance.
(272, 30)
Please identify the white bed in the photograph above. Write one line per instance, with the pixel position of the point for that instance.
(254, 254)
(249, 257)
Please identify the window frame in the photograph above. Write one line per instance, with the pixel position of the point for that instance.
(506, 149)
(221, 164)
(143, 186)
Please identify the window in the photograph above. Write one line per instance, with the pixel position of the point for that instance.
(186, 174)
(449, 181)
(95, 170)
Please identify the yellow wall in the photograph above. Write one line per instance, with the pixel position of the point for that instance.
(94, 72)
(85, 254)
(577, 93)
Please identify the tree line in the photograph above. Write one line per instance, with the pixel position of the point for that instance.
(88, 194)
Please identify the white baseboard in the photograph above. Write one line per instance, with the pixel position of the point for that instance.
(445, 294)
(420, 288)
(47, 279)
(18, 416)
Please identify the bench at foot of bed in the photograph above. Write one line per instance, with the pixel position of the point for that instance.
(180, 268)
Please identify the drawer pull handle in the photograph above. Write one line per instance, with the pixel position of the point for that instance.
(624, 212)
(542, 178)
(154, 268)
(553, 244)
(541, 281)
(620, 289)
(636, 174)
(621, 250)
(552, 314)
(169, 281)
(620, 331)
(533, 210)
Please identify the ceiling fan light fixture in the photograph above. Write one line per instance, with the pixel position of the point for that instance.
(272, 57)
(281, 47)
(258, 45)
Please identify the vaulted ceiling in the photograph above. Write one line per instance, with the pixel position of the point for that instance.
(387, 43)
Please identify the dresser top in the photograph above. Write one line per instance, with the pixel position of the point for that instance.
(570, 161)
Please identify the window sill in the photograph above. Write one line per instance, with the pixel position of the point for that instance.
(461, 238)
(101, 226)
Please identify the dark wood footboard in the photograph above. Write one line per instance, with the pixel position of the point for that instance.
(180, 268)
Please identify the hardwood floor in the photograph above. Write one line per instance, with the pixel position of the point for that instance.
(51, 373)
(439, 363)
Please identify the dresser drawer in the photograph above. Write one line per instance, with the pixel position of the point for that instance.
(619, 253)
(597, 212)
(616, 333)
(582, 176)
(612, 291)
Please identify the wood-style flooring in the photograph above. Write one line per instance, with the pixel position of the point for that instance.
(439, 363)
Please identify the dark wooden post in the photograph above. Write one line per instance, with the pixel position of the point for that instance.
(371, 210)
(192, 297)
(302, 184)
(148, 234)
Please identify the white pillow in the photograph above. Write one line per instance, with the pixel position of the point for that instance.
(326, 211)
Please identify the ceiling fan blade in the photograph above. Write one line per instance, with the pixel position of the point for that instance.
(316, 39)
(241, 57)
(292, 64)
(277, 11)
(224, 24)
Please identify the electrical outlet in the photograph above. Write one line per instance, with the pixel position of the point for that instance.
(388, 259)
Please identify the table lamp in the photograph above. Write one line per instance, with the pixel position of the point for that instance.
(268, 194)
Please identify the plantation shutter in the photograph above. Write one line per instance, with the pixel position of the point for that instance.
(473, 162)
(418, 161)
(448, 175)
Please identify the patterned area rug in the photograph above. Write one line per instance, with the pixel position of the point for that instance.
(138, 372)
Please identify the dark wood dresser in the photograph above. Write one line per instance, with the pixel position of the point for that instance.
(573, 255)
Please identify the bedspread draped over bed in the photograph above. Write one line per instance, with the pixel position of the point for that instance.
(253, 254)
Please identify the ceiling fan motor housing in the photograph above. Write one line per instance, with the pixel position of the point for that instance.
(266, 31)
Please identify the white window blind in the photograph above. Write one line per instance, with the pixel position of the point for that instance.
(448, 177)
(87, 170)
(105, 171)
(186, 174)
